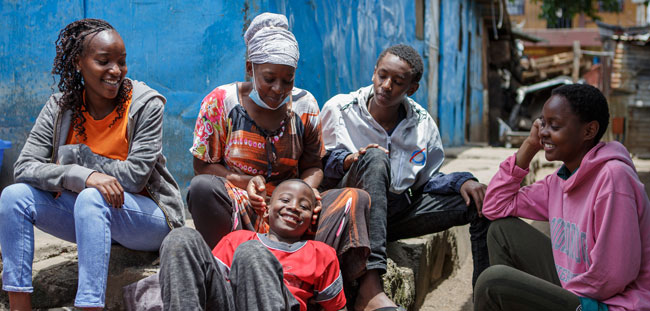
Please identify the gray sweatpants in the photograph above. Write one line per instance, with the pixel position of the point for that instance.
(522, 274)
(190, 278)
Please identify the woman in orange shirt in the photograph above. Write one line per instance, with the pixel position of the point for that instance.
(92, 169)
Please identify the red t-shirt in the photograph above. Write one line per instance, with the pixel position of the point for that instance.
(310, 268)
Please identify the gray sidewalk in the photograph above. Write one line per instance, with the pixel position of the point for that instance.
(455, 293)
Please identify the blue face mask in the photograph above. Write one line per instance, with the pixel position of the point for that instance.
(255, 96)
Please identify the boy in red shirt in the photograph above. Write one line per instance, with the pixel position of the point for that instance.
(251, 271)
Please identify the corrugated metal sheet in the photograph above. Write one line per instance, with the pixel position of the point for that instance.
(476, 126)
(453, 69)
(630, 95)
(461, 63)
(186, 48)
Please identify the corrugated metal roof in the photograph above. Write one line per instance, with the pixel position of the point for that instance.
(637, 34)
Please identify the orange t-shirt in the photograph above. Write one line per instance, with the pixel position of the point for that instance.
(110, 142)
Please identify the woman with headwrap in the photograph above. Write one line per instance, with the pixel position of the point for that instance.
(250, 136)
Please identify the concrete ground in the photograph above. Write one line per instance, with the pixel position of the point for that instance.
(452, 294)
(455, 293)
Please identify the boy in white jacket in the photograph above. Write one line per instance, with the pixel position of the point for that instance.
(381, 141)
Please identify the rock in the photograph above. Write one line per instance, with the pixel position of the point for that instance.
(399, 284)
(55, 277)
(417, 265)
(127, 266)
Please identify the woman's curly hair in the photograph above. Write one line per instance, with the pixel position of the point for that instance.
(69, 47)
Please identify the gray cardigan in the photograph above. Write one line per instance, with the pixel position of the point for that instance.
(48, 164)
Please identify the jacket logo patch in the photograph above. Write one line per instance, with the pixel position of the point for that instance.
(418, 157)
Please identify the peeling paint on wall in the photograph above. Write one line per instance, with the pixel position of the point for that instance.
(184, 49)
(460, 70)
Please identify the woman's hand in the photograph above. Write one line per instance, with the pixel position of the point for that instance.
(534, 139)
(354, 157)
(256, 190)
(317, 209)
(530, 146)
(108, 186)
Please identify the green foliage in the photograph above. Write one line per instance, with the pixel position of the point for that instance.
(568, 9)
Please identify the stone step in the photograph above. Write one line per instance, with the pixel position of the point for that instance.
(55, 278)
(414, 266)
(418, 265)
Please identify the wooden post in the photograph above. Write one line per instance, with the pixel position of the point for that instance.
(576, 61)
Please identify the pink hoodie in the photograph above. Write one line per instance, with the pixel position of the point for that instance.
(600, 227)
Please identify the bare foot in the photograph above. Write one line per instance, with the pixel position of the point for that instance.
(371, 294)
(19, 301)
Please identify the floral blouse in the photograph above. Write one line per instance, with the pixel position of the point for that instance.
(224, 133)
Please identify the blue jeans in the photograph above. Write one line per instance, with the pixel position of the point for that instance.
(84, 218)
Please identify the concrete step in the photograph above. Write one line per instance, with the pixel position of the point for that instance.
(417, 266)
(55, 278)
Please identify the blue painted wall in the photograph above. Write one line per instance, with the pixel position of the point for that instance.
(27, 34)
(475, 79)
(460, 86)
(184, 49)
(453, 69)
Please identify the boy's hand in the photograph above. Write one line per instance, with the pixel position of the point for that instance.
(476, 191)
(108, 186)
(354, 157)
(256, 190)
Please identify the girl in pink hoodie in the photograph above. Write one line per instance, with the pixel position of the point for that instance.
(597, 257)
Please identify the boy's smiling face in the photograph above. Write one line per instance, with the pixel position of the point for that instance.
(563, 135)
(290, 211)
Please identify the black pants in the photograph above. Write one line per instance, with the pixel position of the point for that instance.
(190, 278)
(522, 274)
(394, 217)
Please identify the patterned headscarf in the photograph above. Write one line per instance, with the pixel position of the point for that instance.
(269, 40)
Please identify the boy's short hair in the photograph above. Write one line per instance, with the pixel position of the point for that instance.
(295, 180)
(588, 103)
(409, 55)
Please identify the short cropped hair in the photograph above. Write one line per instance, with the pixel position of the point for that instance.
(298, 181)
(588, 103)
(409, 55)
